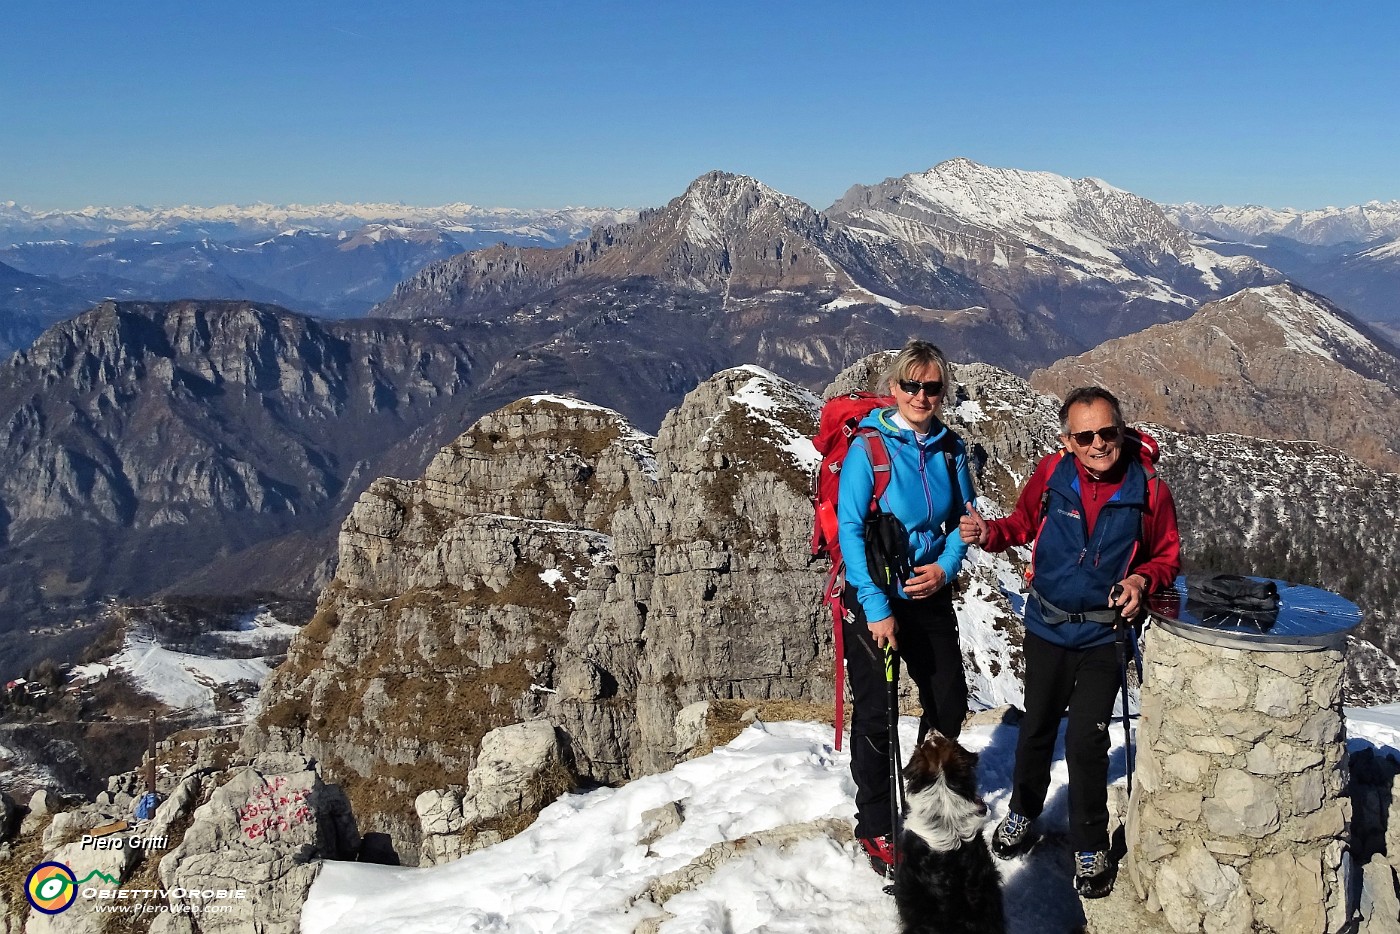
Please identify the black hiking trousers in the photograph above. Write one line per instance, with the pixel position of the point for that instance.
(1084, 682)
(928, 646)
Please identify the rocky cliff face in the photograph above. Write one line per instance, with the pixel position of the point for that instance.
(1275, 362)
(549, 563)
(169, 438)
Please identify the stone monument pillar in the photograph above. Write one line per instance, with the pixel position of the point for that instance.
(1238, 821)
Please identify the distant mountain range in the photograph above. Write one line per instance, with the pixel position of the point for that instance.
(470, 224)
(1351, 255)
(1363, 223)
(333, 260)
(1019, 268)
(335, 275)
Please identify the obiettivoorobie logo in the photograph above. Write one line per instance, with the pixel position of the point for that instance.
(51, 888)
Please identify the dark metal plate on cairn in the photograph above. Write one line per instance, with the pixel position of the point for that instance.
(1307, 619)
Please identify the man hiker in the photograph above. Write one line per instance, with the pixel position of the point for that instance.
(1105, 536)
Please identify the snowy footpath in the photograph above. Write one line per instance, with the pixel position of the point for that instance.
(582, 868)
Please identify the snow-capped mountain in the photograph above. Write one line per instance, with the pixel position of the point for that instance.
(726, 234)
(1096, 259)
(1321, 227)
(1274, 362)
(470, 223)
(1026, 267)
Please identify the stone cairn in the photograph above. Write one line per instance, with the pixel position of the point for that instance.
(1238, 820)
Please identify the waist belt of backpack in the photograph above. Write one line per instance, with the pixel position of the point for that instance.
(1054, 616)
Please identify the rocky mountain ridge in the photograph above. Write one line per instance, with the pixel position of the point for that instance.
(730, 244)
(726, 233)
(171, 439)
(1040, 238)
(1312, 371)
(1365, 280)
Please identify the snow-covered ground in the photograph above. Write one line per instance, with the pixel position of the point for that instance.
(181, 680)
(191, 682)
(582, 867)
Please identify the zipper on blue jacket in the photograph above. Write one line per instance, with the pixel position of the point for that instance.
(923, 476)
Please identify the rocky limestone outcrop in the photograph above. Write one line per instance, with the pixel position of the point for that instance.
(263, 833)
(519, 770)
(449, 611)
(554, 563)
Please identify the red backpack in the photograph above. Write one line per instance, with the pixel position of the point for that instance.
(839, 423)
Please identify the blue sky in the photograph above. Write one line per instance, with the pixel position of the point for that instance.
(539, 103)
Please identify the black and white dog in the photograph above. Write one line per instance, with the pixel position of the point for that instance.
(946, 882)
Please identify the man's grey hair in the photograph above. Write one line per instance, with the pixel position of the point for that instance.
(1086, 394)
(918, 354)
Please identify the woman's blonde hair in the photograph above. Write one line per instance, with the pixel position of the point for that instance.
(916, 355)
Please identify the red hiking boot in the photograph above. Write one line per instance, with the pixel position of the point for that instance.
(880, 850)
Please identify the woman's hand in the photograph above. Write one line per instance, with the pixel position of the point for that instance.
(883, 632)
(928, 579)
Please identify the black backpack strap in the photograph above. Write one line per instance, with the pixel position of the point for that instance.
(949, 446)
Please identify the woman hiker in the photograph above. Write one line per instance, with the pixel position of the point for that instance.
(912, 615)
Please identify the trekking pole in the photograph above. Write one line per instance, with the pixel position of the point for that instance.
(1127, 729)
(896, 785)
(1137, 651)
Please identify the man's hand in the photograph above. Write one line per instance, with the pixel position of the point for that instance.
(883, 633)
(972, 527)
(1128, 595)
(927, 580)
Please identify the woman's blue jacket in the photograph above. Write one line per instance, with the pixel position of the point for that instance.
(920, 494)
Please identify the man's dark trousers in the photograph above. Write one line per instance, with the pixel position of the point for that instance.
(928, 647)
(1084, 681)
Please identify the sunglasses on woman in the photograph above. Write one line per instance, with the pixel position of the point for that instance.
(933, 388)
(1109, 434)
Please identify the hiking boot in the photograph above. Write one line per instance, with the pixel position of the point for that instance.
(880, 850)
(1093, 873)
(1012, 836)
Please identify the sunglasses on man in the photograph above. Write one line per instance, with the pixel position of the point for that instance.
(933, 388)
(1109, 434)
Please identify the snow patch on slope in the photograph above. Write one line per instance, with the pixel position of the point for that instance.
(1309, 327)
(766, 397)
